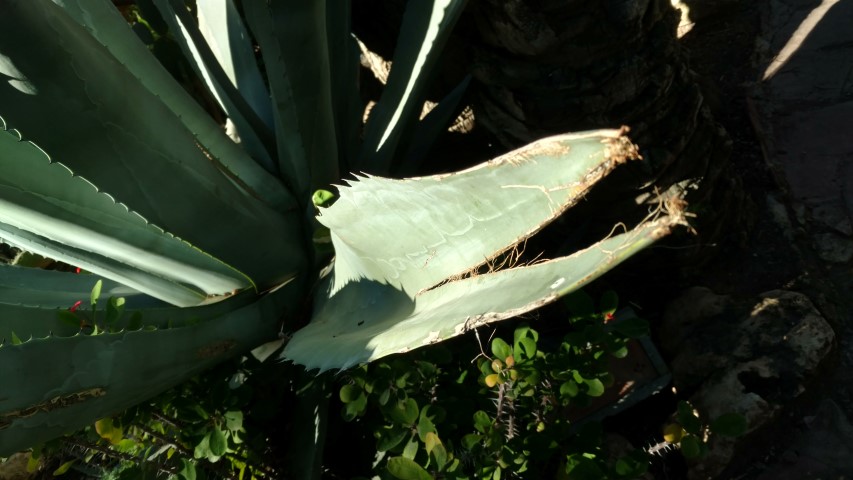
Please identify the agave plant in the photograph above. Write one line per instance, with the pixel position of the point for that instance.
(110, 166)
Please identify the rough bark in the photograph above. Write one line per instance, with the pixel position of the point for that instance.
(553, 66)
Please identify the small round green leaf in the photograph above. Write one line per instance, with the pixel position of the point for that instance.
(234, 421)
(411, 448)
(690, 446)
(609, 302)
(471, 440)
(218, 442)
(390, 437)
(569, 388)
(115, 308)
(384, 396)
(594, 387)
(355, 407)
(349, 393)
(620, 352)
(595, 333)
(106, 428)
(406, 469)
(500, 348)
(580, 304)
(405, 412)
(631, 466)
(524, 342)
(632, 327)
(623, 468)
(430, 441)
(688, 419)
(64, 468)
(482, 421)
(526, 348)
(729, 425)
(582, 468)
(439, 455)
(187, 471)
(425, 426)
(202, 449)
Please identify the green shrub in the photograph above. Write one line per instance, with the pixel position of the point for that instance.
(436, 413)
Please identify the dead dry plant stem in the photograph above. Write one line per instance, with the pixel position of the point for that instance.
(115, 454)
(480, 343)
(164, 441)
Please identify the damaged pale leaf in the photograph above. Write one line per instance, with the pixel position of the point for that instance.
(389, 297)
(445, 225)
(368, 320)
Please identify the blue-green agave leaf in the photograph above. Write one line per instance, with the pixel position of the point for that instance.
(238, 88)
(55, 289)
(31, 299)
(288, 33)
(345, 63)
(87, 111)
(310, 416)
(222, 27)
(52, 386)
(103, 21)
(46, 210)
(426, 27)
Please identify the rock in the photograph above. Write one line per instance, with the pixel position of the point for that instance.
(832, 215)
(750, 356)
(693, 308)
(780, 216)
(15, 467)
(824, 450)
(833, 247)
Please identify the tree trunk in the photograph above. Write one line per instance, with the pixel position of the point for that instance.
(546, 67)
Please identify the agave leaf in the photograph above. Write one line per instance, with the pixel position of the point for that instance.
(368, 320)
(222, 27)
(428, 130)
(47, 210)
(389, 297)
(310, 416)
(425, 29)
(345, 62)
(30, 300)
(55, 289)
(445, 225)
(55, 385)
(103, 21)
(86, 110)
(288, 33)
(237, 86)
